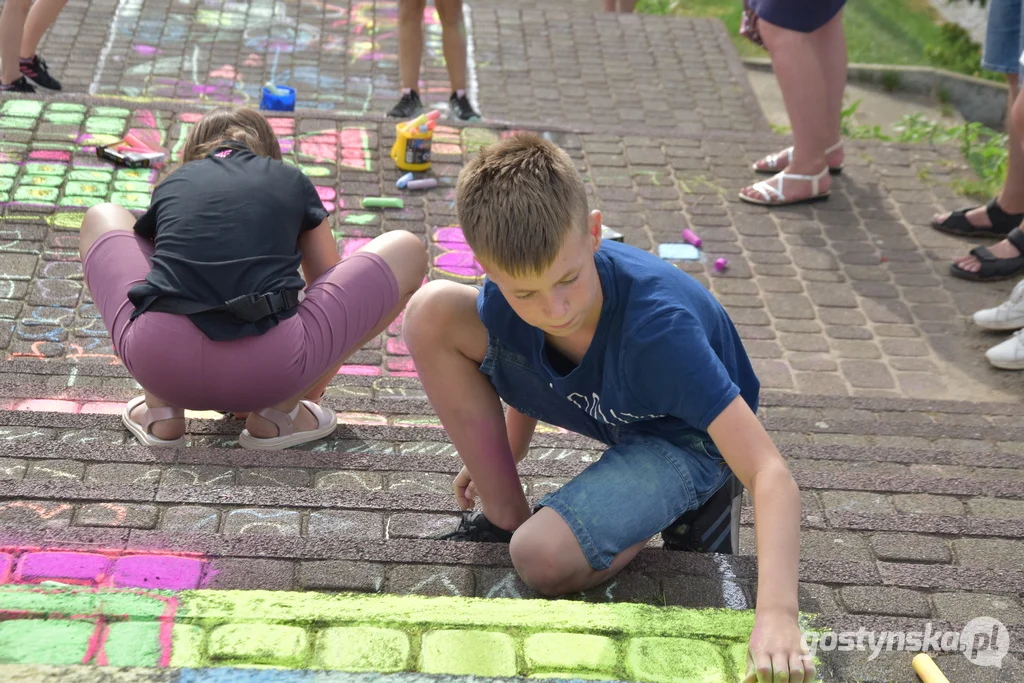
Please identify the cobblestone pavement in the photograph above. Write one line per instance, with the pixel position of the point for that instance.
(904, 441)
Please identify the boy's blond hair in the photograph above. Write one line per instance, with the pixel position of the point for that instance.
(517, 200)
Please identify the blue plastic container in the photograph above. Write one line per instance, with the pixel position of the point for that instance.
(284, 101)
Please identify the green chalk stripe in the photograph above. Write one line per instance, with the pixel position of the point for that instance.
(27, 108)
(43, 168)
(114, 112)
(63, 118)
(132, 186)
(17, 123)
(133, 643)
(42, 180)
(65, 107)
(89, 176)
(68, 602)
(76, 202)
(38, 195)
(39, 641)
(86, 189)
(9, 170)
(259, 644)
(363, 648)
(480, 653)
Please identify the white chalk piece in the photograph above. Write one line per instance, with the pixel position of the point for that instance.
(422, 184)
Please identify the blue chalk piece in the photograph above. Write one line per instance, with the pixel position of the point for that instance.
(404, 180)
(678, 252)
(282, 100)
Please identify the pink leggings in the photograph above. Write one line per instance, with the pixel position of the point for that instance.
(173, 360)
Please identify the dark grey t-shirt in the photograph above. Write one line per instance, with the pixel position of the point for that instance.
(226, 226)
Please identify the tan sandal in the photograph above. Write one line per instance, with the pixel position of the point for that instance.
(773, 162)
(774, 196)
(287, 437)
(141, 429)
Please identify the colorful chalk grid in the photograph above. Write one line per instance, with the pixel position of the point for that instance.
(100, 569)
(452, 256)
(372, 633)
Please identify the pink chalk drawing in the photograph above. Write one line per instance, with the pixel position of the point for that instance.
(350, 245)
(105, 568)
(362, 370)
(456, 259)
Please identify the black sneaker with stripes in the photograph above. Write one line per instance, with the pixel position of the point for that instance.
(712, 528)
(20, 85)
(477, 528)
(35, 70)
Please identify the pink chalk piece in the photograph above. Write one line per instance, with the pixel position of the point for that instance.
(396, 347)
(102, 408)
(721, 264)
(189, 116)
(146, 49)
(157, 571)
(6, 567)
(42, 405)
(146, 117)
(62, 566)
(365, 370)
(691, 238)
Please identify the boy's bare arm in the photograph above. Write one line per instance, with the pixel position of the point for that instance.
(520, 432)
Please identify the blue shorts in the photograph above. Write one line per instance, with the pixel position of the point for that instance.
(638, 487)
(1004, 37)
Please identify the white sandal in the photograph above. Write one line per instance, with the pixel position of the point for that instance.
(773, 196)
(287, 437)
(141, 429)
(772, 163)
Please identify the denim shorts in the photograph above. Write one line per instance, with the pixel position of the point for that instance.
(1004, 37)
(637, 488)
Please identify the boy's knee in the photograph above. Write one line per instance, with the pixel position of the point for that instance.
(430, 311)
(541, 563)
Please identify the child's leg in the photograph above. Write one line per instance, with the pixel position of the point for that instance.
(410, 41)
(40, 18)
(448, 343)
(453, 37)
(109, 276)
(406, 256)
(12, 26)
(589, 529)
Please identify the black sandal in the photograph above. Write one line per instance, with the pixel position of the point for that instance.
(1002, 223)
(992, 267)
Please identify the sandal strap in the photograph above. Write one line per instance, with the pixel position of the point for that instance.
(284, 421)
(152, 415)
(1016, 238)
(983, 254)
(997, 215)
(835, 147)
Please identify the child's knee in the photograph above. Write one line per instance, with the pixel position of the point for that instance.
(405, 255)
(544, 564)
(432, 312)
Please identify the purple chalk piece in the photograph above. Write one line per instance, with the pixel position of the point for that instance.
(6, 567)
(423, 184)
(61, 566)
(721, 264)
(691, 238)
(158, 571)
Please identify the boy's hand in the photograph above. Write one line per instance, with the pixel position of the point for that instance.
(777, 653)
(465, 490)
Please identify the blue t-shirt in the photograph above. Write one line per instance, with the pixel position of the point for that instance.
(665, 359)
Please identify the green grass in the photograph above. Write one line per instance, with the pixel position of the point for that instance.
(877, 31)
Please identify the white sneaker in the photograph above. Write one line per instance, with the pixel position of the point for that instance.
(1010, 354)
(1008, 315)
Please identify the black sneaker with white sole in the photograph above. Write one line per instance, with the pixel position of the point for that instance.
(711, 528)
(478, 529)
(462, 109)
(20, 85)
(409, 106)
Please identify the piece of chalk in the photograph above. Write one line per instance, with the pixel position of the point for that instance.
(136, 143)
(927, 669)
(422, 184)
(404, 180)
(721, 264)
(691, 238)
(424, 128)
(383, 203)
(431, 125)
(433, 115)
(274, 90)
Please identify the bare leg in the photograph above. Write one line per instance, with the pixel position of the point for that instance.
(549, 559)
(627, 6)
(1013, 193)
(830, 47)
(453, 37)
(410, 41)
(608, 5)
(802, 79)
(40, 18)
(406, 256)
(12, 26)
(448, 342)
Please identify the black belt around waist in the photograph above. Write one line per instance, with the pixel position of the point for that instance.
(248, 307)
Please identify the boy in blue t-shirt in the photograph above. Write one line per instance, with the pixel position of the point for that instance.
(608, 341)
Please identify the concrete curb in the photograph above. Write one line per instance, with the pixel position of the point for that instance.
(976, 99)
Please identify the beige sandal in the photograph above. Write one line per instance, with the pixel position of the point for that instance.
(287, 437)
(774, 196)
(773, 162)
(141, 429)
